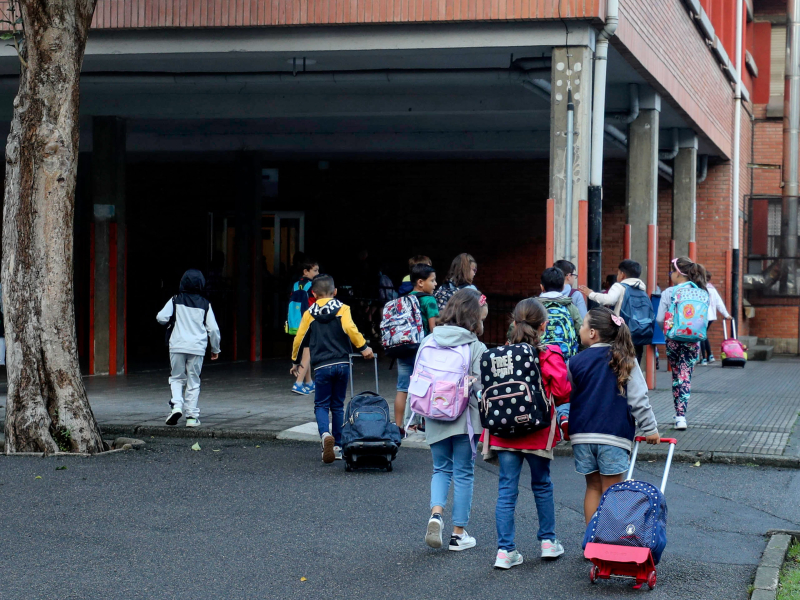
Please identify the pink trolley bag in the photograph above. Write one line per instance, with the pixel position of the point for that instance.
(628, 533)
(734, 353)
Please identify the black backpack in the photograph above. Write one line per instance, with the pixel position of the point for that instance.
(367, 419)
(445, 292)
(637, 311)
(513, 402)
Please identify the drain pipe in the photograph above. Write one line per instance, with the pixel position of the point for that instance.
(670, 154)
(595, 204)
(737, 137)
(702, 168)
(570, 170)
(791, 151)
(633, 112)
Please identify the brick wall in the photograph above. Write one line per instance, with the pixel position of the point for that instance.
(775, 322)
(125, 14)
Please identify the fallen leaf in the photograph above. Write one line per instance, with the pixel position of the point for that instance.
(258, 446)
(196, 446)
(38, 477)
(303, 579)
(61, 468)
(651, 461)
(697, 464)
(216, 450)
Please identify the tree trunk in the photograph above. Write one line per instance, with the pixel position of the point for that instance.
(47, 408)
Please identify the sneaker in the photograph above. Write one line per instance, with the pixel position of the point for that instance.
(680, 423)
(174, 416)
(299, 388)
(507, 559)
(310, 387)
(711, 359)
(461, 542)
(192, 422)
(337, 453)
(328, 454)
(704, 362)
(433, 535)
(563, 422)
(551, 549)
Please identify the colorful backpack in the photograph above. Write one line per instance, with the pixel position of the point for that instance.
(439, 386)
(560, 329)
(513, 401)
(298, 304)
(401, 327)
(686, 317)
(444, 293)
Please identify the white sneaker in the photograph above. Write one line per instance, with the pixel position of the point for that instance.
(328, 455)
(680, 423)
(433, 535)
(337, 453)
(174, 416)
(192, 422)
(507, 559)
(551, 549)
(461, 542)
(711, 358)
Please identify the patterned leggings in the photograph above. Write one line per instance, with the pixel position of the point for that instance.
(682, 357)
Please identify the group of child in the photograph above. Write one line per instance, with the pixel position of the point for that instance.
(599, 394)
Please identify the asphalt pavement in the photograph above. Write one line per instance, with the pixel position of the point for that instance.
(244, 519)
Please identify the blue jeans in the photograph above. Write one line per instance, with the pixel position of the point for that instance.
(510, 469)
(331, 389)
(453, 461)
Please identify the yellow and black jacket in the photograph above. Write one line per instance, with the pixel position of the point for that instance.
(327, 328)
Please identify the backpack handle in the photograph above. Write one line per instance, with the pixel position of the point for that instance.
(640, 438)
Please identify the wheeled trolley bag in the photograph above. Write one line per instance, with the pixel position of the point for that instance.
(628, 533)
(733, 354)
(369, 437)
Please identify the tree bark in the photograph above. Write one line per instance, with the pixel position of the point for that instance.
(47, 408)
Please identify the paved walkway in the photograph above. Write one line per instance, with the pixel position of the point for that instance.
(748, 411)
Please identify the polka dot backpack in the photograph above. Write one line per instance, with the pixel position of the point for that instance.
(513, 402)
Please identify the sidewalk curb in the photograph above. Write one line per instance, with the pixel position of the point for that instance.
(562, 449)
(765, 586)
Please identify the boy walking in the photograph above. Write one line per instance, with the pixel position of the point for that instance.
(563, 317)
(327, 330)
(191, 324)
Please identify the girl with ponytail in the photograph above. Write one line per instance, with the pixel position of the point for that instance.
(530, 319)
(682, 355)
(609, 400)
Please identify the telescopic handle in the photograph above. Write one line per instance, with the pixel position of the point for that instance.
(672, 443)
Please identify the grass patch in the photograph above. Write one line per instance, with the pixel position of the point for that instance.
(789, 584)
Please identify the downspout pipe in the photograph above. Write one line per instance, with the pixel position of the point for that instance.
(791, 147)
(702, 168)
(633, 112)
(673, 152)
(737, 139)
(570, 171)
(595, 200)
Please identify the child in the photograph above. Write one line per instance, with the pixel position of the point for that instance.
(570, 289)
(608, 393)
(424, 279)
(299, 302)
(564, 319)
(530, 319)
(406, 285)
(715, 304)
(628, 273)
(460, 323)
(327, 330)
(193, 325)
(460, 276)
(682, 356)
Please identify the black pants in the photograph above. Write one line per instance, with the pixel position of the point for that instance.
(639, 352)
(705, 345)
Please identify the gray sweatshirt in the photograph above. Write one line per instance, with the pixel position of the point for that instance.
(450, 335)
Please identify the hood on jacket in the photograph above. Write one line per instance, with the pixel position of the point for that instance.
(634, 283)
(324, 310)
(563, 300)
(193, 282)
(451, 335)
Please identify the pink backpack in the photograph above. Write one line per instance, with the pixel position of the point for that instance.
(439, 387)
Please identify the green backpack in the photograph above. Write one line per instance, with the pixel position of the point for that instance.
(560, 329)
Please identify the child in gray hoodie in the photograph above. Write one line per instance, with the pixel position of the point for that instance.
(460, 324)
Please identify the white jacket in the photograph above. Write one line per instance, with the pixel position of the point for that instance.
(616, 294)
(195, 324)
(715, 304)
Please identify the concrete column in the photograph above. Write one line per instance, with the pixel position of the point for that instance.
(684, 193)
(642, 177)
(248, 258)
(108, 309)
(571, 67)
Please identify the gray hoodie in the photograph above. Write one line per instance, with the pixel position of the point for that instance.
(450, 335)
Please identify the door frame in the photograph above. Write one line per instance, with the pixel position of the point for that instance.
(276, 241)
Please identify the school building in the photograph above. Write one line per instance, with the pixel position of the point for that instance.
(229, 135)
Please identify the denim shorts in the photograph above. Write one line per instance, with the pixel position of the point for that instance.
(405, 366)
(591, 458)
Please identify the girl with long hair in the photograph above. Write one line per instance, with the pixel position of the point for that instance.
(608, 401)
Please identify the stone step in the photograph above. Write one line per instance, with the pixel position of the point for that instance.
(759, 352)
(749, 340)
